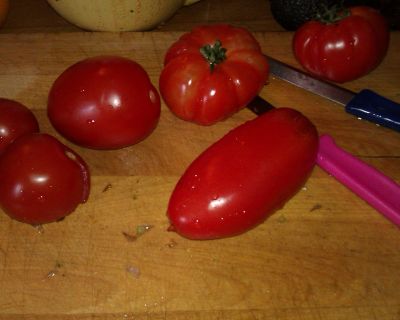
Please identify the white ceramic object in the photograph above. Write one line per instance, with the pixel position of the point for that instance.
(117, 15)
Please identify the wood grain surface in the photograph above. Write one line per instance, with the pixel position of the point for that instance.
(326, 255)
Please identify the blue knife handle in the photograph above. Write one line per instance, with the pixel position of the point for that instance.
(371, 106)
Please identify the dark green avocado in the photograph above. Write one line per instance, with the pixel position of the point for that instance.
(291, 14)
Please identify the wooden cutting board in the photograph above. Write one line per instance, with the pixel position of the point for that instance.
(325, 255)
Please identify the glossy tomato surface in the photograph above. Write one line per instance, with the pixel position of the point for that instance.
(244, 177)
(104, 102)
(198, 90)
(15, 121)
(42, 180)
(344, 50)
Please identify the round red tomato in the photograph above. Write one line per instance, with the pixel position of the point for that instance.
(42, 180)
(105, 102)
(243, 178)
(15, 120)
(343, 50)
(212, 72)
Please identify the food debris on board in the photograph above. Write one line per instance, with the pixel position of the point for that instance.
(140, 230)
(107, 187)
(39, 228)
(55, 271)
(172, 243)
(316, 207)
(133, 270)
(282, 219)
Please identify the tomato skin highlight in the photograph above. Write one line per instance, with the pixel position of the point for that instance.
(42, 180)
(194, 91)
(344, 50)
(244, 177)
(15, 121)
(104, 102)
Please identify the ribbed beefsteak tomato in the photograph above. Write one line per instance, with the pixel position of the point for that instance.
(212, 72)
(344, 47)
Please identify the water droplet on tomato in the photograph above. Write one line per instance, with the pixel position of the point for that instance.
(70, 155)
(152, 96)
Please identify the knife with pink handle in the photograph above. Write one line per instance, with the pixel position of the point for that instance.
(374, 187)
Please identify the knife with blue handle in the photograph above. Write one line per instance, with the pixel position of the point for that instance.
(365, 104)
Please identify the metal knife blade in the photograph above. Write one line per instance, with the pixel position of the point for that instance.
(305, 81)
(365, 104)
(371, 185)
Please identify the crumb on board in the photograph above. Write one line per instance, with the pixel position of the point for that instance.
(55, 271)
(107, 187)
(140, 230)
(282, 219)
(128, 236)
(316, 207)
(133, 270)
(172, 243)
(39, 228)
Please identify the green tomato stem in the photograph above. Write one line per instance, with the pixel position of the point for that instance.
(214, 54)
(333, 14)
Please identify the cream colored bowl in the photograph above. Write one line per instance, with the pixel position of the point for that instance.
(117, 15)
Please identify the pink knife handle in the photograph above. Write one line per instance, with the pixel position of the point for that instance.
(378, 190)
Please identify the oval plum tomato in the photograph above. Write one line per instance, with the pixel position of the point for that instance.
(347, 48)
(105, 102)
(42, 180)
(15, 120)
(245, 176)
(212, 72)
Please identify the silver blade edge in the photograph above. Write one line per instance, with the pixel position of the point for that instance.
(303, 80)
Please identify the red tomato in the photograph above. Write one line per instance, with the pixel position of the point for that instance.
(104, 103)
(244, 177)
(344, 50)
(212, 72)
(42, 180)
(15, 120)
